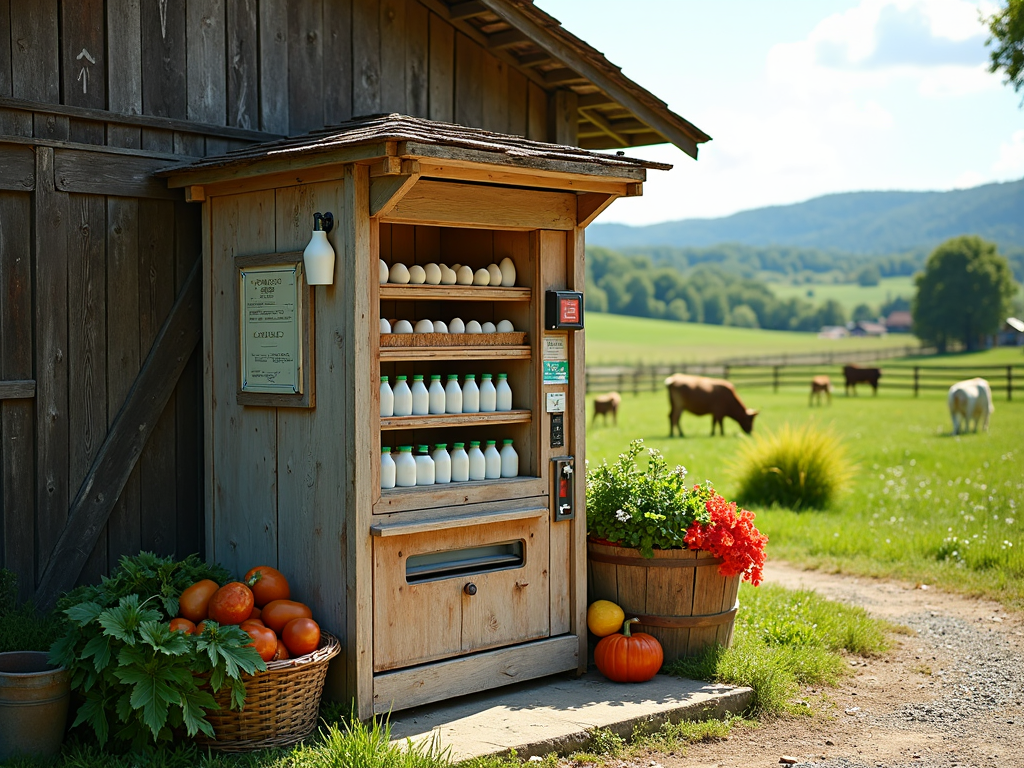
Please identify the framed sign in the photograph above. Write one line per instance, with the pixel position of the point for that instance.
(274, 331)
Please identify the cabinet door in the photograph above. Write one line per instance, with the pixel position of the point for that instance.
(438, 594)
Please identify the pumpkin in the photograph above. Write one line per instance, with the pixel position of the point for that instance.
(629, 657)
(604, 617)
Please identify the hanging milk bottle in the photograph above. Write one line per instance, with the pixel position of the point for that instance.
(403, 399)
(442, 463)
(509, 460)
(435, 395)
(470, 395)
(424, 466)
(477, 462)
(460, 463)
(387, 468)
(503, 393)
(492, 462)
(488, 394)
(452, 395)
(405, 467)
(387, 398)
(420, 397)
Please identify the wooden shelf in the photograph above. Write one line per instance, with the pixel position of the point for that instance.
(519, 416)
(449, 495)
(455, 353)
(453, 293)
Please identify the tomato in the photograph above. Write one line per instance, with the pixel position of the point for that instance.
(255, 612)
(200, 628)
(301, 636)
(251, 623)
(282, 652)
(183, 625)
(194, 601)
(279, 612)
(264, 641)
(231, 604)
(270, 585)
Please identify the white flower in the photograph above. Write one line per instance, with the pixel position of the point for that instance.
(622, 516)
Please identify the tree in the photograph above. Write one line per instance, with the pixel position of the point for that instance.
(964, 292)
(869, 276)
(1007, 42)
(744, 317)
(863, 312)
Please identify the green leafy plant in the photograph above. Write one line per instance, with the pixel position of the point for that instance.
(21, 627)
(140, 681)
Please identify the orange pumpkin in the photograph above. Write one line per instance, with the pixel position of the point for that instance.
(629, 657)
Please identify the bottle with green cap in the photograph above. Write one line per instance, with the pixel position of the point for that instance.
(477, 462)
(442, 463)
(460, 463)
(420, 397)
(452, 395)
(509, 460)
(403, 398)
(488, 394)
(503, 393)
(387, 468)
(387, 398)
(405, 467)
(436, 395)
(424, 466)
(470, 395)
(492, 462)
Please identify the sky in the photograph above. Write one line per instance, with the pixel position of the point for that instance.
(808, 97)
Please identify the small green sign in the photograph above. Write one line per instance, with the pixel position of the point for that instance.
(556, 371)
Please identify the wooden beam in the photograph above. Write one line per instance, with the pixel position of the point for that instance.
(506, 38)
(195, 194)
(123, 445)
(598, 119)
(500, 176)
(533, 59)
(467, 10)
(17, 168)
(387, 191)
(119, 175)
(13, 389)
(561, 76)
(592, 100)
(589, 206)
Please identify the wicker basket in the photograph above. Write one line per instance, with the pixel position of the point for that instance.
(510, 339)
(281, 704)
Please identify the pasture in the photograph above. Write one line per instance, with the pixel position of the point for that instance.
(923, 506)
(849, 294)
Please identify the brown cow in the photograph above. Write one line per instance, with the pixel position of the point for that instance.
(856, 375)
(820, 384)
(700, 396)
(605, 404)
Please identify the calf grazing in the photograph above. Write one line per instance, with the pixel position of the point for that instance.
(970, 400)
(605, 404)
(701, 396)
(820, 384)
(856, 375)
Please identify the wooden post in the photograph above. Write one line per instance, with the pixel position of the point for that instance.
(775, 379)
(636, 382)
(916, 375)
(1009, 382)
(725, 372)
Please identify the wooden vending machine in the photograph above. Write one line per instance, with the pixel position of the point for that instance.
(434, 590)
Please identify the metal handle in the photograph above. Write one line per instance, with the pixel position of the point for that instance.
(470, 589)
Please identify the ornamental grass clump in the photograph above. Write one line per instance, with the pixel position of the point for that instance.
(797, 468)
(652, 508)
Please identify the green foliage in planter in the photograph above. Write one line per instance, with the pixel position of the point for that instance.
(21, 628)
(139, 680)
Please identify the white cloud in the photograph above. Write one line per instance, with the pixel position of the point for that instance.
(968, 179)
(1011, 156)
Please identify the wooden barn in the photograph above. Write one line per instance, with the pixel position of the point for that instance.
(101, 321)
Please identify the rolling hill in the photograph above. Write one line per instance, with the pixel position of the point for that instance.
(854, 222)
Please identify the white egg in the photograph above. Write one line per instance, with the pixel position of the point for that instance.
(508, 272)
(494, 273)
(385, 326)
(504, 326)
(464, 276)
(487, 327)
(384, 272)
(448, 276)
(456, 326)
(417, 275)
(473, 327)
(433, 273)
(399, 273)
(424, 326)
(402, 326)
(442, 265)
(455, 267)
(440, 326)
(482, 277)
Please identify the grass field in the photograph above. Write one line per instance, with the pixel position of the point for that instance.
(617, 339)
(849, 294)
(924, 506)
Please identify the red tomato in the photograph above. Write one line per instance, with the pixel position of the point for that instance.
(231, 604)
(264, 641)
(270, 585)
(194, 601)
(183, 625)
(255, 612)
(279, 612)
(200, 628)
(301, 636)
(251, 623)
(282, 652)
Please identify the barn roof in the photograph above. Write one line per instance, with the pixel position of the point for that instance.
(416, 137)
(614, 111)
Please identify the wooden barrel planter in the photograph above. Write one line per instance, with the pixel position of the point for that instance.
(679, 596)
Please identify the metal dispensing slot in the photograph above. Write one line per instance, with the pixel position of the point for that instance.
(565, 508)
(431, 566)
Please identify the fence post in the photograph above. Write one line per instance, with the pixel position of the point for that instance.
(775, 378)
(621, 381)
(916, 370)
(1009, 382)
(725, 372)
(636, 382)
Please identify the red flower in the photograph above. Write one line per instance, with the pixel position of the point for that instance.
(730, 535)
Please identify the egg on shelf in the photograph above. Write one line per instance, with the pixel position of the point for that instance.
(399, 273)
(473, 327)
(440, 326)
(505, 326)
(385, 326)
(424, 326)
(464, 276)
(384, 271)
(508, 272)
(487, 327)
(494, 272)
(433, 274)
(448, 276)
(417, 275)
(456, 325)
(456, 267)
(482, 277)
(402, 326)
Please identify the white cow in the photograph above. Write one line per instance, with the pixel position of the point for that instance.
(970, 399)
